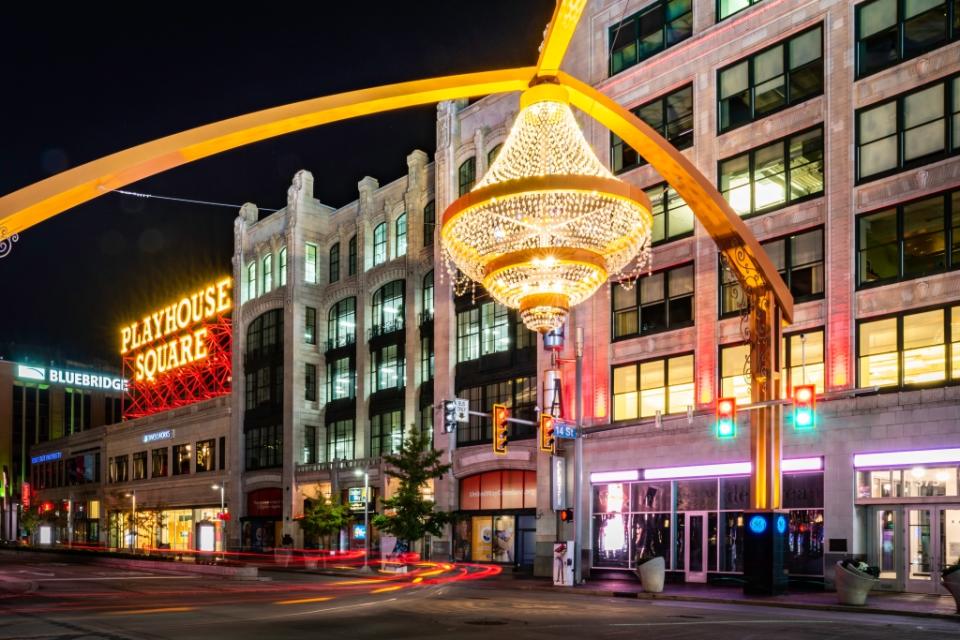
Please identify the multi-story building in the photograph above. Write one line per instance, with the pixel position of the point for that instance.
(43, 401)
(832, 128)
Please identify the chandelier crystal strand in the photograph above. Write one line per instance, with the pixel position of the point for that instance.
(547, 224)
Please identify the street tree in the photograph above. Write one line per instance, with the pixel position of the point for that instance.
(408, 515)
(324, 517)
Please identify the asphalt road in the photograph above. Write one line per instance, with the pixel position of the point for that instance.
(87, 601)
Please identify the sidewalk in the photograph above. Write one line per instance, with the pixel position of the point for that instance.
(879, 602)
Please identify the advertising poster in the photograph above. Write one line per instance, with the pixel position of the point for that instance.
(482, 540)
(563, 564)
(503, 538)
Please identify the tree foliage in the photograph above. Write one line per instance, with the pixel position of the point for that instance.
(411, 516)
(324, 517)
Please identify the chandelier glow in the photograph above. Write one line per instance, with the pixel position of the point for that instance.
(548, 223)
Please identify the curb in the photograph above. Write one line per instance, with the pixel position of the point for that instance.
(607, 593)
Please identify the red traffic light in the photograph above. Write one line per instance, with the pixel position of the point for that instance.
(726, 406)
(803, 394)
(566, 515)
(500, 428)
(547, 442)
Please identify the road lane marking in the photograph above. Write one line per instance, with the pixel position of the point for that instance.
(385, 589)
(364, 581)
(312, 611)
(304, 600)
(136, 612)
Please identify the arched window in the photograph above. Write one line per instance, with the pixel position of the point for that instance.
(352, 257)
(252, 280)
(380, 244)
(387, 308)
(429, 222)
(267, 272)
(401, 234)
(283, 266)
(427, 297)
(492, 154)
(335, 262)
(467, 175)
(342, 323)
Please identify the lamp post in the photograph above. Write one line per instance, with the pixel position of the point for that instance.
(133, 519)
(366, 519)
(222, 521)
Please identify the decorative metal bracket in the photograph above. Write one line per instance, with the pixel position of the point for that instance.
(6, 242)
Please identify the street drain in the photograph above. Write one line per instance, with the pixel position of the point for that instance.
(487, 623)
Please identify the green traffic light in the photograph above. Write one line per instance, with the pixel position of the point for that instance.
(803, 419)
(726, 429)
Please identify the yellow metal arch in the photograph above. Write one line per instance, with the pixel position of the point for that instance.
(42, 200)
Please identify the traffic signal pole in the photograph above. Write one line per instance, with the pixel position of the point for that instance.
(578, 467)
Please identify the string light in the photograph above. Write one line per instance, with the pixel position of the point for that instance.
(548, 223)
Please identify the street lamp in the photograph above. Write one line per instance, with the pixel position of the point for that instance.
(133, 519)
(366, 518)
(222, 521)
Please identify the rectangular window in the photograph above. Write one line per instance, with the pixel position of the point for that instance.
(656, 27)
(310, 328)
(495, 320)
(340, 438)
(310, 264)
(310, 382)
(223, 453)
(335, 262)
(426, 358)
(798, 259)
(400, 227)
(773, 79)
(735, 373)
(909, 240)
(283, 266)
(672, 216)
(206, 455)
(159, 463)
(466, 175)
(263, 447)
(726, 8)
(429, 222)
(181, 459)
(468, 335)
(387, 368)
(380, 244)
(309, 445)
(341, 379)
(775, 175)
(386, 433)
(891, 31)
(140, 465)
(905, 350)
(352, 256)
(123, 465)
(671, 116)
(907, 131)
(641, 389)
(802, 361)
(658, 302)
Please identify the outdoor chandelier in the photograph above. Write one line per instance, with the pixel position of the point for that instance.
(548, 223)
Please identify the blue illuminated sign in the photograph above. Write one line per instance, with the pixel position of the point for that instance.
(47, 457)
(758, 524)
(781, 524)
(564, 429)
(359, 532)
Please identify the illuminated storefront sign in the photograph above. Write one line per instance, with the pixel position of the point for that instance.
(180, 353)
(72, 378)
(166, 434)
(46, 457)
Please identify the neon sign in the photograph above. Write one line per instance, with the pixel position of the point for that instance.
(166, 434)
(73, 378)
(180, 353)
(46, 457)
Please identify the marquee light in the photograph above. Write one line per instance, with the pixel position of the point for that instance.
(906, 458)
(727, 469)
(180, 319)
(627, 475)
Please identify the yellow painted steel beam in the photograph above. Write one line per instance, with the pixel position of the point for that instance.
(42, 200)
(559, 33)
(752, 265)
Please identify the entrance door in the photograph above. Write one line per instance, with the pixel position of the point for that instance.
(949, 534)
(695, 546)
(922, 568)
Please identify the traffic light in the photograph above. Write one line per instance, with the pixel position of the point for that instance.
(726, 417)
(804, 407)
(500, 426)
(566, 515)
(449, 416)
(547, 442)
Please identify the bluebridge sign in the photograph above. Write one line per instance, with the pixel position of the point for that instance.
(70, 378)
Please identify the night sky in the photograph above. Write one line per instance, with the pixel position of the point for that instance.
(82, 83)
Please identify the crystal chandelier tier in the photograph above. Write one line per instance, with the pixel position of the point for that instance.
(548, 223)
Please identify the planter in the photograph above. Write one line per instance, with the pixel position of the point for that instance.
(651, 574)
(852, 585)
(951, 582)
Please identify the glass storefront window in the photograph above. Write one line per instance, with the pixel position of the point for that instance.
(651, 496)
(916, 482)
(651, 537)
(610, 540)
(805, 542)
(697, 495)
